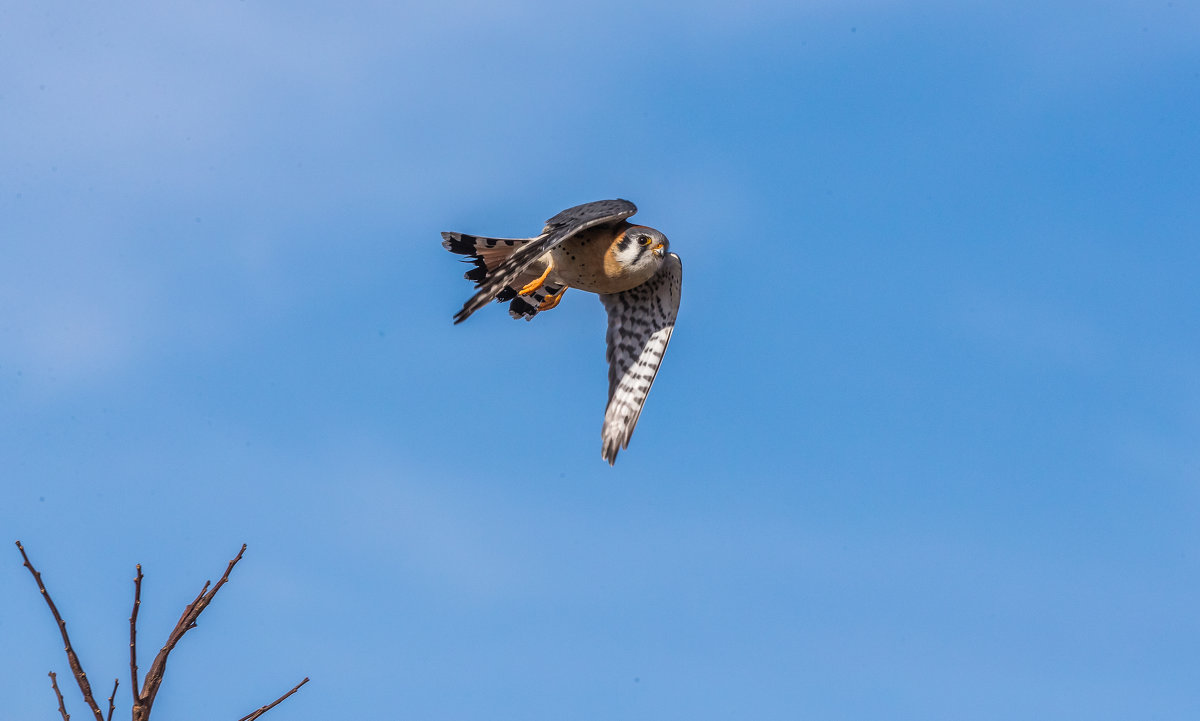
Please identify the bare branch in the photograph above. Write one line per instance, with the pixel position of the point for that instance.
(72, 658)
(137, 604)
(273, 704)
(62, 709)
(111, 697)
(154, 677)
(143, 701)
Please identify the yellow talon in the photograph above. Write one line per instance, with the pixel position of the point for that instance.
(552, 301)
(534, 285)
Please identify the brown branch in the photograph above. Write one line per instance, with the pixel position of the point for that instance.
(273, 704)
(62, 709)
(72, 658)
(154, 677)
(111, 696)
(137, 604)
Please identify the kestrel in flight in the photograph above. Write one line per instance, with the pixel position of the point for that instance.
(591, 247)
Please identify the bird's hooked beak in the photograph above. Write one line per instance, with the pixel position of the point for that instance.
(659, 250)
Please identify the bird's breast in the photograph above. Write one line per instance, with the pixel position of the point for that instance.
(586, 261)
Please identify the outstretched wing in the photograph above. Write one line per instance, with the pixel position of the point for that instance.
(640, 321)
(559, 228)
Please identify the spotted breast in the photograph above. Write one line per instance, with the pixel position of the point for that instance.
(609, 259)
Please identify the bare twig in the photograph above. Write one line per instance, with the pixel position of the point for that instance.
(111, 697)
(72, 658)
(273, 704)
(143, 701)
(137, 604)
(154, 677)
(62, 709)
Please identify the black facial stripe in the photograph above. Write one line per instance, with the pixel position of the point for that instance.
(623, 243)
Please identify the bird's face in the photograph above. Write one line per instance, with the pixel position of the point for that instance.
(641, 248)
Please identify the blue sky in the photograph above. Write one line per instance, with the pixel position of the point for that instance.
(924, 445)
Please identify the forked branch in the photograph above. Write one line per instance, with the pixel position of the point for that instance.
(154, 676)
(143, 701)
(72, 659)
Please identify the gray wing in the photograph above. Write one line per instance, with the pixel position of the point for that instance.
(559, 228)
(640, 321)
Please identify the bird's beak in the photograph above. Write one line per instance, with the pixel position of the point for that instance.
(658, 250)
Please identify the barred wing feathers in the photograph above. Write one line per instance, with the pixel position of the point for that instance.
(640, 321)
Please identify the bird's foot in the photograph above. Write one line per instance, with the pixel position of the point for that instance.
(552, 300)
(538, 283)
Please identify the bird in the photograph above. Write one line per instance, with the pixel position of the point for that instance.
(591, 247)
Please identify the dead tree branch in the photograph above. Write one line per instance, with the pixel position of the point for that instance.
(273, 704)
(154, 676)
(143, 701)
(72, 658)
(137, 604)
(62, 709)
(111, 698)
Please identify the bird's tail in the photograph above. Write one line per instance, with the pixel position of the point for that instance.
(487, 253)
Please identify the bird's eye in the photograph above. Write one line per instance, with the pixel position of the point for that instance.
(644, 240)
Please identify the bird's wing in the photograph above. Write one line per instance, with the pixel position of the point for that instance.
(559, 228)
(640, 321)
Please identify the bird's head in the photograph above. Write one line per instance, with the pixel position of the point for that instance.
(641, 247)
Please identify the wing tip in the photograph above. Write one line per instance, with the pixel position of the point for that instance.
(610, 455)
(614, 444)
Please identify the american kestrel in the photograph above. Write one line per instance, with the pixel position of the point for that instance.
(591, 247)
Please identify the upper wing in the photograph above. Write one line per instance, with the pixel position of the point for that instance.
(640, 321)
(559, 228)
